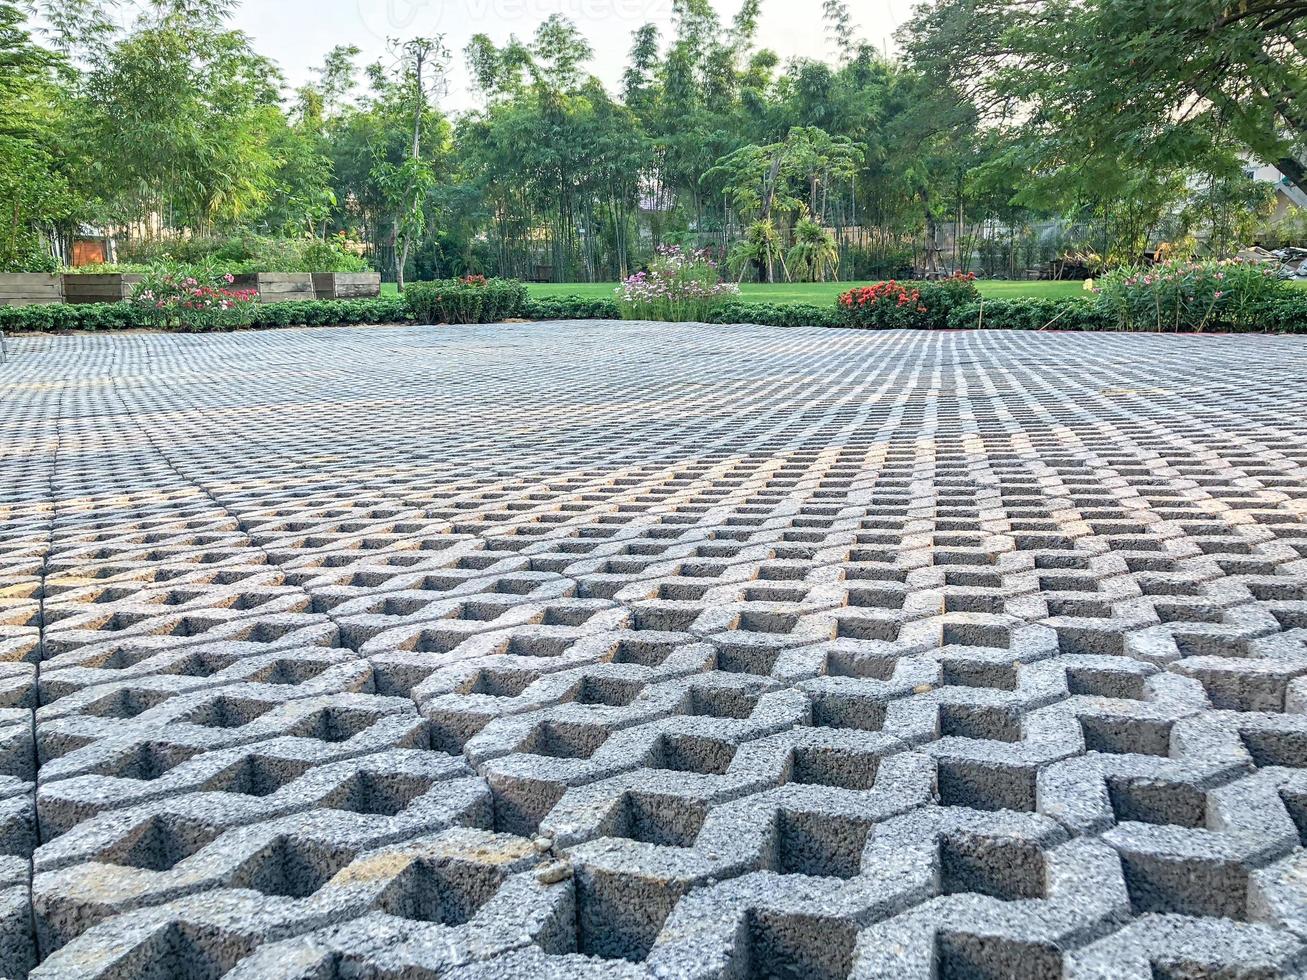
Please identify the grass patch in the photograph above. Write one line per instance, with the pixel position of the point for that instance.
(816, 294)
(786, 294)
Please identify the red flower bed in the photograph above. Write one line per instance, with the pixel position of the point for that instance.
(920, 305)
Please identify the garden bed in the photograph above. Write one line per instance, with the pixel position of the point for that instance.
(346, 285)
(109, 287)
(279, 287)
(18, 289)
(953, 305)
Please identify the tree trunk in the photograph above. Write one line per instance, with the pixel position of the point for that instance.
(1294, 171)
(394, 254)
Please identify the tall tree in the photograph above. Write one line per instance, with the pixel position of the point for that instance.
(179, 114)
(1165, 82)
(34, 196)
(422, 64)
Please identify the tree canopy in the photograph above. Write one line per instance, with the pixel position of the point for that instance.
(1003, 133)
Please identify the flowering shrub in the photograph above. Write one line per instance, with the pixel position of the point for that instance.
(678, 287)
(921, 305)
(195, 302)
(1184, 295)
(883, 304)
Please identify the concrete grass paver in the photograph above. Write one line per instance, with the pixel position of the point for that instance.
(652, 650)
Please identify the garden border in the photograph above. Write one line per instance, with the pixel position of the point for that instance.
(1285, 315)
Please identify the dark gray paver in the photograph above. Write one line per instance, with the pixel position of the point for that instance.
(648, 650)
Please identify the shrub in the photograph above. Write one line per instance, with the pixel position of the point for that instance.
(571, 308)
(126, 316)
(1183, 295)
(331, 313)
(920, 305)
(116, 268)
(883, 305)
(773, 315)
(1031, 314)
(473, 299)
(1285, 312)
(191, 303)
(244, 254)
(678, 287)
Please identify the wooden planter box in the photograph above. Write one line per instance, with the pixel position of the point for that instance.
(279, 287)
(100, 288)
(30, 289)
(347, 285)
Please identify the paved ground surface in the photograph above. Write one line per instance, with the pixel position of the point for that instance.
(625, 650)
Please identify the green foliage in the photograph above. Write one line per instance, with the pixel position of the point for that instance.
(1181, 295)
(243, 254)
(571, 308)
(553, 164)
(760, 249)
(815, 256)
(331, 313)
(55, 317)
(1284, 313)
(128, 316)
(773, 315)
(468, 300)
(1031, 314)
(1027, 128)
(1166, 84)
(176, 120)
(34, 196)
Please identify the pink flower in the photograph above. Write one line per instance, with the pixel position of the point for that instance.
(1219, 294)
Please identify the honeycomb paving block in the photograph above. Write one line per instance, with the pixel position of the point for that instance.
(18, 953)
(652, 650)
(166, 856)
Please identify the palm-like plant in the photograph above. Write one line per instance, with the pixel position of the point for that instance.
(759, 249)
(815, 255)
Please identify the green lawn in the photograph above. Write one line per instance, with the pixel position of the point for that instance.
(817, 294)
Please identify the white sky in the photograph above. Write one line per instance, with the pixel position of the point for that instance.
(297, 33)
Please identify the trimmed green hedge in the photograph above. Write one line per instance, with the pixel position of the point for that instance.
(465, 300)
(497, 300)
(128, 316)
(571, 308)
(771, 315)
(1031, 314)
(330, 313)
(1287, 314)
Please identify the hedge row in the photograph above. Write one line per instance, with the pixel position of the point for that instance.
(1286, 314)
(571, 308)
(443, 303)
(470, 300)
(1032, 314)
(128, 316)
